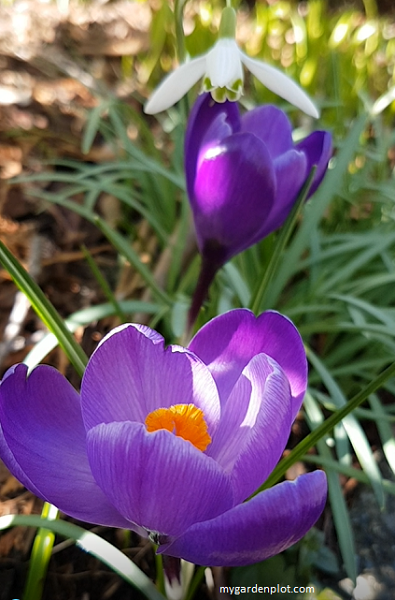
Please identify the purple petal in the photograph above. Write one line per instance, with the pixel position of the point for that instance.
(291, 173)
(5, 453)
(317, 148)
(258, 529)
(227, 343)
(157, 480)
(254, 427)
(44, 444)
(130, 374)
(233, 193)
(203, 114)
(9, 460)
(272, 126)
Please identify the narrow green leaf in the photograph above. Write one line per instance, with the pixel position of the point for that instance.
(351, 266)
(385, 430)
(265, 279)
(320, 201)
(40, 556)
(338, 505)
(381, 314)
(179, 314)
(334, 465)
(44, 309)
(312, 438)
(103, 284)
(85, 317)
(238, 283)
(354, 430)
(95, 545)
(92, 126)
(148, 164)
(126, 250)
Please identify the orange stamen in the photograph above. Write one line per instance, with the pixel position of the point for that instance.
(184, 420)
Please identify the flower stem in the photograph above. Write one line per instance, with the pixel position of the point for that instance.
(40, 556)
(178, 17)
(160, 575)
(208, 270)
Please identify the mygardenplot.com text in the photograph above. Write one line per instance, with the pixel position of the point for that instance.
(273, 589)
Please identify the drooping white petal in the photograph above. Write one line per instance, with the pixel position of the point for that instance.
(224, 64)
(176, 85)
(280, 84)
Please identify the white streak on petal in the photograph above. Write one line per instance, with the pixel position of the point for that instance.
(280, 84)
(176, 85)
(224, 64)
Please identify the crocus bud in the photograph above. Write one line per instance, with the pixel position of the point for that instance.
(244, 174)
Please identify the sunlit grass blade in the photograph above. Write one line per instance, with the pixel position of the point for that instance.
(195, 582)
(354, 430)
(103, 284)
(319, 203)
(326, 427)
(95, 545)
(93, 125)
(44, 309)
(379, 313)
(178, 243)
(265, 279)
(338, 505)
(385, 430)
(150, 165)
(353, 264)
(352, 472)
(40, 556)
(126, 250)
(86, 316)
(238, 284)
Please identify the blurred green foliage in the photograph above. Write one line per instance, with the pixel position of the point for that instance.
(345, 57)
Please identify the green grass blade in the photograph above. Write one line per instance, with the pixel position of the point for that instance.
(126, 250)
(85, 317)
(338, 505)
(312, 438)
(258, 301)
(103, 284)
(384, 427)
(317, 206)
(44, 309)
(354, 430)
(150, 165)
(40, 556)
(334, 465)
(95, 545)
(352, 265)
(381, 314)
(93, 125)
(237, 283)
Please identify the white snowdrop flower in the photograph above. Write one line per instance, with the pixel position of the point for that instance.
(222, 73)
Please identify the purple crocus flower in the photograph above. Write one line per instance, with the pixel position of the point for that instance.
(244, 174)
(170, 441)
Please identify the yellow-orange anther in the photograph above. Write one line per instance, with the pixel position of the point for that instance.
(184, 420)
